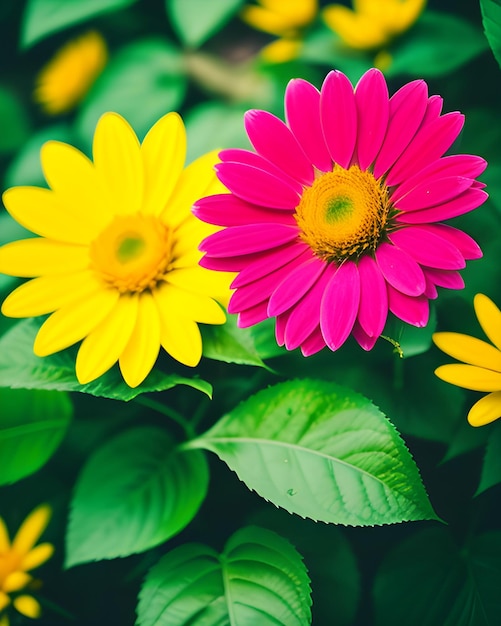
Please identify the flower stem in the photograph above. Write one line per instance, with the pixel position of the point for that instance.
(168, 412)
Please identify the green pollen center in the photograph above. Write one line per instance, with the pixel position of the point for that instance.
(338, 208)
(130, 248)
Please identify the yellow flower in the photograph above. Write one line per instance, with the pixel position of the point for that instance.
(68, 76)
(19, 557)
(372, 23)
(116, 262)
(481, 367)
(287, 20)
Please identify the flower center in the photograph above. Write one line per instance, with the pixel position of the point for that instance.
(132, 253)
(343, 214)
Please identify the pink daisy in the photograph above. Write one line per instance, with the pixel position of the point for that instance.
(336, 218)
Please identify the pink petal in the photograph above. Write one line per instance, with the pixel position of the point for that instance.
(246, 157)
(293, 288)
(227, 264)
(467, 246)
(314, 343)
(280, 324)
(274, 141)
(433, 109)
(364, 340)
(338, 114)
(407, 109)
(400, 270)
(225, 209)
(302, 110)
(431, 291)
(427, 248)
(444, 278)
(412, 310)
(253, 315)
(339, 307)
(257, 186)
(371, 98)
(433, 192)
(262, 264)
(239, 240)
(467, 201)
(373, 309)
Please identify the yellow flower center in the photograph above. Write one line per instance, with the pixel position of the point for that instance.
(133, 252)
(343, 214)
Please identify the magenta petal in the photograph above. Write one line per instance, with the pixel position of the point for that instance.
(467, 246)
(270, 261)
(280, 324)
(444, 278)
(414, 311)
(274, 141)
(257, 186)
(373, 309)
(371, 98)
(467, 201)
(433, 192)
(363, 339)
(297, 283)
(338, 113)
(302, 110)
(407, 109)
(225, 209)
(433, 109)
(400, 270)
(253, 315)
(428, 248)
(339, 307)
(314, 343)
(239, 240)
(227, 264)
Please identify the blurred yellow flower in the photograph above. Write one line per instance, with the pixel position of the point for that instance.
(116, 262)
(372, 23)
(287, 20)
(69, 75)
(481, 367)
(19, 557)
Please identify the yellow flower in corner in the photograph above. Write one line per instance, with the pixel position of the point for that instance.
(69, 75)
(372, 23)
(481, 367)
(116, 262)
(19, 557)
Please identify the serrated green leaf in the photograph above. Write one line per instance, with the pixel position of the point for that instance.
(14, 123)
(196, 20)
(491, 19)
(43, 17)
(32, 425)
(144, 81)
(428, 579)
(321, 451)
(258, 579)
(134, 493)
(491, 468)
(20, 368)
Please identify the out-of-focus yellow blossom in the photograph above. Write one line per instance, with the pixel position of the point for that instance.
(481, 367)
(19, 557)
(69, 75)
(372, 24)
(285, 19)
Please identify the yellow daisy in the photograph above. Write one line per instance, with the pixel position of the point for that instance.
(481, 367)
(372, 23)
(116, 262)
(19, 557)
(68, 76)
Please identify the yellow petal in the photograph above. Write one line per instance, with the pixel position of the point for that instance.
(188, 237)
(203, 281)
(4, 537)
(4, 601)
(140, 354)
(470, 377)
(74, 321)
(16, 581)
(38, 555)
(265, 20)
(180, 337)
(356, 30)
(31, 529)
(486, 410)
(102, 347)
(469, 349)
(28, 606)
(191, 305)
(489, 317)
(118, 162)
(38, 256)
(281, 50)
(48, 293)
(163, 151)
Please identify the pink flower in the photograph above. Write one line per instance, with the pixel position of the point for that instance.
(335, 219)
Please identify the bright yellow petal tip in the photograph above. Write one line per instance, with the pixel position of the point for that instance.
(28, 606)
(280, 18)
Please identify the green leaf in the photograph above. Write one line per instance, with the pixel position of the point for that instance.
(428, 579)
(144, 81)
(134, 493)
(14, 123)
(323, 452)
(196, 21)
(20, 368)
(491, 469)
(438, 44)
(491, 19)
(258, 579)
(32, 425)
(43, 17)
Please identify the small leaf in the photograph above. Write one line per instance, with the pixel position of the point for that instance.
(134, 493)
(491, 469)
(196, 21)
(20, 368)
(491, 19)
(43, 17)
(258, 579)
(321, 451)
(32, 425)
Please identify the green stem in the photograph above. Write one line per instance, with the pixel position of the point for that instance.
(168, 412)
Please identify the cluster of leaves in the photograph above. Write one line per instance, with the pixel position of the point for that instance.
(153, 515)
